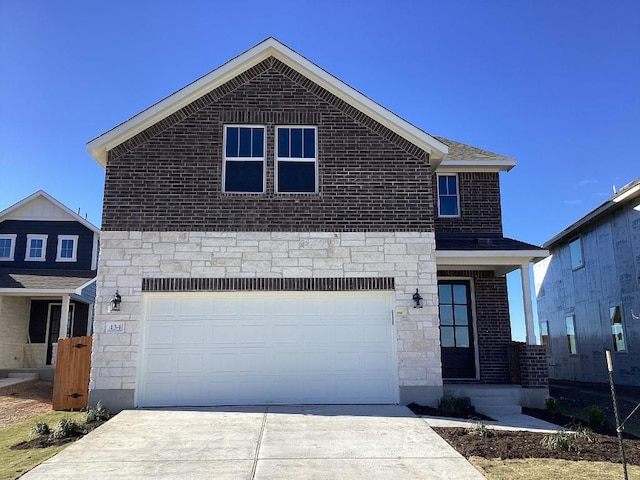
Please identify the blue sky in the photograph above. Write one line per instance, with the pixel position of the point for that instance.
(554, 84)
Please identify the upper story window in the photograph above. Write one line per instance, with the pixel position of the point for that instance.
(448, 196)
(544, 334)
(570, 322)
(36, 248)
(617, 331)
(67, 248)
(296, 167)
(244, 165)
(7, 247)
(577, 256)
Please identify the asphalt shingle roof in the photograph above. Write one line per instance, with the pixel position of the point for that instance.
(45, 279)
(460, 151)
(481, 242)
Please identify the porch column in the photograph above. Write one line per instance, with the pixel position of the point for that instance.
(526, 300)
(64, 316)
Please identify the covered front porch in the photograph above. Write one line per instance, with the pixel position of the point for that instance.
(479, 359)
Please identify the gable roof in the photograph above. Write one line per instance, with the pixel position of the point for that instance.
(99, 146)
(626, 194)
(45, 281)
(463, 157)
(42, 206)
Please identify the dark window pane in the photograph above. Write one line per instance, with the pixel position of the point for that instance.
(444, 292)
(296, 177)
(453, 188)
(448, 206)
(446, 315)
(283, 142)
(258, 142)
(296, 143)
(460, 294)
(461, 315)
(232, 142)
(245, 142)
(442, 185)
(462, 337)
(309, 143)
(446, 337)
(244, 177)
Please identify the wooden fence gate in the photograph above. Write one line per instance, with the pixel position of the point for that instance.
(73, 365)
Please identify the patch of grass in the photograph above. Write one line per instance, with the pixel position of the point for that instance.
(16, 462)
(545, 468)
(558, 441)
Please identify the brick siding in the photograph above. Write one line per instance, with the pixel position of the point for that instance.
(533, 366)
(168, 178)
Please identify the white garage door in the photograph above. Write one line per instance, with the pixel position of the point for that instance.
(267, 347)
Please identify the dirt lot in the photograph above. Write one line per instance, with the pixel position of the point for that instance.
(23, 401)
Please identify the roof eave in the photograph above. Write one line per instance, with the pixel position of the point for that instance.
(489, 165)
(99, 146)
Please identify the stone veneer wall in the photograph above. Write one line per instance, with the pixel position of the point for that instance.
(128, 257)
(14, 325)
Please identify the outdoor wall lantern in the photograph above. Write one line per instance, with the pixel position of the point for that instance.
(116, 300)
(417, 300)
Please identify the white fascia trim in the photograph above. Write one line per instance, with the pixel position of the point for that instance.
(99, 146)
(23, 292)
(42, 193)
(448, 166)
(488, 257)
(629, 193)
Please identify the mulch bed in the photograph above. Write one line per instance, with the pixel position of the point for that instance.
(434, 412)
(46, 441)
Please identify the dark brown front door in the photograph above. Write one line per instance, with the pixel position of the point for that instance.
(456, 329)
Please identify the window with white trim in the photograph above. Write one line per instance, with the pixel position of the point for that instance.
(36, 250)
(296, 159)
(577, 256)
(244, 162)
(7, 247)
(617, 330)
(67, 248)
(570, 322)
(448, 196)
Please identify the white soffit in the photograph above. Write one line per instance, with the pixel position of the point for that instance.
(475, 165)
(99, 146)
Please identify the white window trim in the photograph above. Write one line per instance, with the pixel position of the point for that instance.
(12, 249)
(457, 194)
(297, 160)
(74, 257)
(579, 240)
(244, 159)
(36, 236)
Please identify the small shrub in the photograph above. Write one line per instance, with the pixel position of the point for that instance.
(580, 431)
(451, 406)
(479, 428)
(596, 416)
(552, 405)
(66, 428)
(557, 441)
(99, 413)
(40, 429)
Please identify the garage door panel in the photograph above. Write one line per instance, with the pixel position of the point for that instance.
(301, 347)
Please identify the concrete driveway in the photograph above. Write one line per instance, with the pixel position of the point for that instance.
(288, 442)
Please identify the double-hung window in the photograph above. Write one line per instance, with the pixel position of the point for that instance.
(244, 163)
(570, 322)
(296, 167)
(7, 247)
(448, 196)
(67, 248)
(617, 331)
(36, 250)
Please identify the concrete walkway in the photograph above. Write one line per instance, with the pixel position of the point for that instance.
(295, 442)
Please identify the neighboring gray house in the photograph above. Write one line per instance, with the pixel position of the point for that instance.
(588, 293)
(268, 226)
(48, 263)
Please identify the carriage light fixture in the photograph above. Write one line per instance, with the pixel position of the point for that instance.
(417, 300)
(115, 302)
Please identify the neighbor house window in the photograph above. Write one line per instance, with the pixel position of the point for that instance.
(544, 334)
(36, 248)
(571, 334)
(577, 257)
(296, 166)
(243, 166)
(617, 331)
(67, 248)
(448, 196)
(7, 246)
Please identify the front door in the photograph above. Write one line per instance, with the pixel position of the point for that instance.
(456, 329)
(53, 328)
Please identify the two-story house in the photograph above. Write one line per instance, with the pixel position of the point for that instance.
(588, 293)
(48, 263)
(278, 237)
